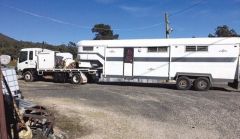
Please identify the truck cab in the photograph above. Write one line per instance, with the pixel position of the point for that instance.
(27, 60)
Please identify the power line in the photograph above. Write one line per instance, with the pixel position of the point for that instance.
(187, 8)
(55, 20)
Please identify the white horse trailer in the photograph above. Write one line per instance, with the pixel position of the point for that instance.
(197, 62)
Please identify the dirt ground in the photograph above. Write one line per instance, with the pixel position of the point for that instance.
(101, 111)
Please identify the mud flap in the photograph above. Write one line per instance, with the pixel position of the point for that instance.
(83, 78)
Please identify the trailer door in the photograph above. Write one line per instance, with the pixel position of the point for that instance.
(128, 62)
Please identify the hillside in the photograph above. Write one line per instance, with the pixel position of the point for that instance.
(5, 38)
(11, 46)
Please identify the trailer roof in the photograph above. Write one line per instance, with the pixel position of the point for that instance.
(160, 42)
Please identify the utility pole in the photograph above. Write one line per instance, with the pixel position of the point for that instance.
(168, 31)
(167, 27)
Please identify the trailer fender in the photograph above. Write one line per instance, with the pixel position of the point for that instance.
(194, 76)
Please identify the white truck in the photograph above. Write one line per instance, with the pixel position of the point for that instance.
(33, 63)
(197, 62)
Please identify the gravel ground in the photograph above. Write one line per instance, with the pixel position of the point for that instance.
(149, 112)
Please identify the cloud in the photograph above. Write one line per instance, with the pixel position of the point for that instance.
(106, 1)
(138, 11)
(55, 20)
(133, 9)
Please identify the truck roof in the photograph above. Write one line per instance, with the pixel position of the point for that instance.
(160, 42)
(34, 49)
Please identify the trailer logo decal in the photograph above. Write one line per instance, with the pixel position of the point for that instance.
(223, 51)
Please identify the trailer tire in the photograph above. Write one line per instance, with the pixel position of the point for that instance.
(76, 79)
(28, 76)
(202, 84)
(183, 83)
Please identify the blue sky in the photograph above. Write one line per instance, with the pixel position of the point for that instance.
(60, 21)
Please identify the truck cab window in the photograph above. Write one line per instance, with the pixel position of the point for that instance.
(31, 55)
(23, 56)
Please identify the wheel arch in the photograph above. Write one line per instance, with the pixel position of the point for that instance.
(194, 76)
(29, 69)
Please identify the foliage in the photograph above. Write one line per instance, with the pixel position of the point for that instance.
(224, 31)
(12, 47)
(104, 32)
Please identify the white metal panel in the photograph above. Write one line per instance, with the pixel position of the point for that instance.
(154, 69)
(114, 68)
(128, 69)
(149, 68)
(46, 60)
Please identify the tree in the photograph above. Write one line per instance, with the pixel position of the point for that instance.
(224, 31)
(104, 32)
(73, 49)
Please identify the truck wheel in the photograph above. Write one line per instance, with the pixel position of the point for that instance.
(75, 79)
(28, 76)
(202, 84)
(183, 83)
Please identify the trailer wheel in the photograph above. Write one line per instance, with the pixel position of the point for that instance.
(202, 84)
(75, 79)
(183, 83)
(28, 76)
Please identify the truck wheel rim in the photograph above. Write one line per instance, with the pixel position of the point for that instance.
(202, 84)
(27, 77)
(183, 83)
(75, 79)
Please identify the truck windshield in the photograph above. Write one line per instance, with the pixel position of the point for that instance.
(23, 56)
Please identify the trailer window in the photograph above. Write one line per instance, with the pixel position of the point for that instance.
(191, 48)
(162, 49)
(158, 49)
(31, 55)
(152, 49)
(196, 48)
(128, 55)
(23, 56)
(202, 48)
(88, 48)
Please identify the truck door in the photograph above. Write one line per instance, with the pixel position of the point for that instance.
(128, 62)
(32, 62)
(23, 60)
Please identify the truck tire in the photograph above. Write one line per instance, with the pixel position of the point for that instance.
(202, 84)
(28, 76)
(76, 79)
(183, 83)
